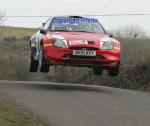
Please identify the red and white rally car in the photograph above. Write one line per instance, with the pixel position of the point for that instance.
(74, 41)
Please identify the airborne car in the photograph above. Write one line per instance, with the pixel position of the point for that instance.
(74, 41)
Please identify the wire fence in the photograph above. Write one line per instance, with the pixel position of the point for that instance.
(95, 15)
(108, 20)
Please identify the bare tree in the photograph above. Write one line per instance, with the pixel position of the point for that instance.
(130, 31)
(2, 16)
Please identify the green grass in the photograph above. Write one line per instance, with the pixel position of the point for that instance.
(11, 117)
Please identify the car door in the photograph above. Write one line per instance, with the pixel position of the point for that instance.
(36, 38)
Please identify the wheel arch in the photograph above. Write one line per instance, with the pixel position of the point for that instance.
(41, 42)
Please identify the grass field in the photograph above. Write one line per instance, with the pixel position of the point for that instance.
(134, 73)
(16, 32)
(10, 116)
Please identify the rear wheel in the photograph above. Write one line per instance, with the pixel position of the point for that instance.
(33, 63)
(114, 71)
(43, 65)
(97, 71)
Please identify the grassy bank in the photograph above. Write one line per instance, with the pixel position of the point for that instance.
(9, 116)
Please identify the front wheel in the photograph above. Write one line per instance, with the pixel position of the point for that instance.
(114, 71)
(33, 63)
(43, 66)
(97, 71)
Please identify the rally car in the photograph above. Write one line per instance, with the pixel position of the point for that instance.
(74, 41)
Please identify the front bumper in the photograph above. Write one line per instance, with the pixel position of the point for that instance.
(103, 58)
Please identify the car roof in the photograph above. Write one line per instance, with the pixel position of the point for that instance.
(71, 16)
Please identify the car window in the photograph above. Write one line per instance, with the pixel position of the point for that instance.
(47, 24)
(94, 27)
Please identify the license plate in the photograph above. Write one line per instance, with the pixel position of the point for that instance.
(84, 53)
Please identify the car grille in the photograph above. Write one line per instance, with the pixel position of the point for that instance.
(83, 57)
(91, 42)
(84, 48)
(82, 63)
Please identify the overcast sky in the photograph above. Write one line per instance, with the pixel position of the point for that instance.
(76, 7)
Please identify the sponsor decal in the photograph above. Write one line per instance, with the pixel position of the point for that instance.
(47, 45)
(76, 42)
(33, 45)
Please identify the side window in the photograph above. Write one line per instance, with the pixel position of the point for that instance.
(47, 24)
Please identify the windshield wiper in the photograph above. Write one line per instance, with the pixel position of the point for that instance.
(59, 30)
(85, 31)
(72, 31)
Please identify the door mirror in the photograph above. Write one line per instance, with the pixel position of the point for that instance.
(43, 31)
(43, 25)
(110, 34)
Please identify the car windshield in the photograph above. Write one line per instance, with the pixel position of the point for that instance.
(77, 25)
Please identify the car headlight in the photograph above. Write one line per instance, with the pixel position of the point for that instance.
(59, 43)
(107, 45)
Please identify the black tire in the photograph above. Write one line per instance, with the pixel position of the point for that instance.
(97, 71)
(114, 71)
(43, 65)
(33, 63)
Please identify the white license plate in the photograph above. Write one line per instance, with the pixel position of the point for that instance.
(84, 53)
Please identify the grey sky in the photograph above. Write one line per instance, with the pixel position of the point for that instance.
(75, 7)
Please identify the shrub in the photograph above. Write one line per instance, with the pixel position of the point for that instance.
(26, 38)
(10, 39)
